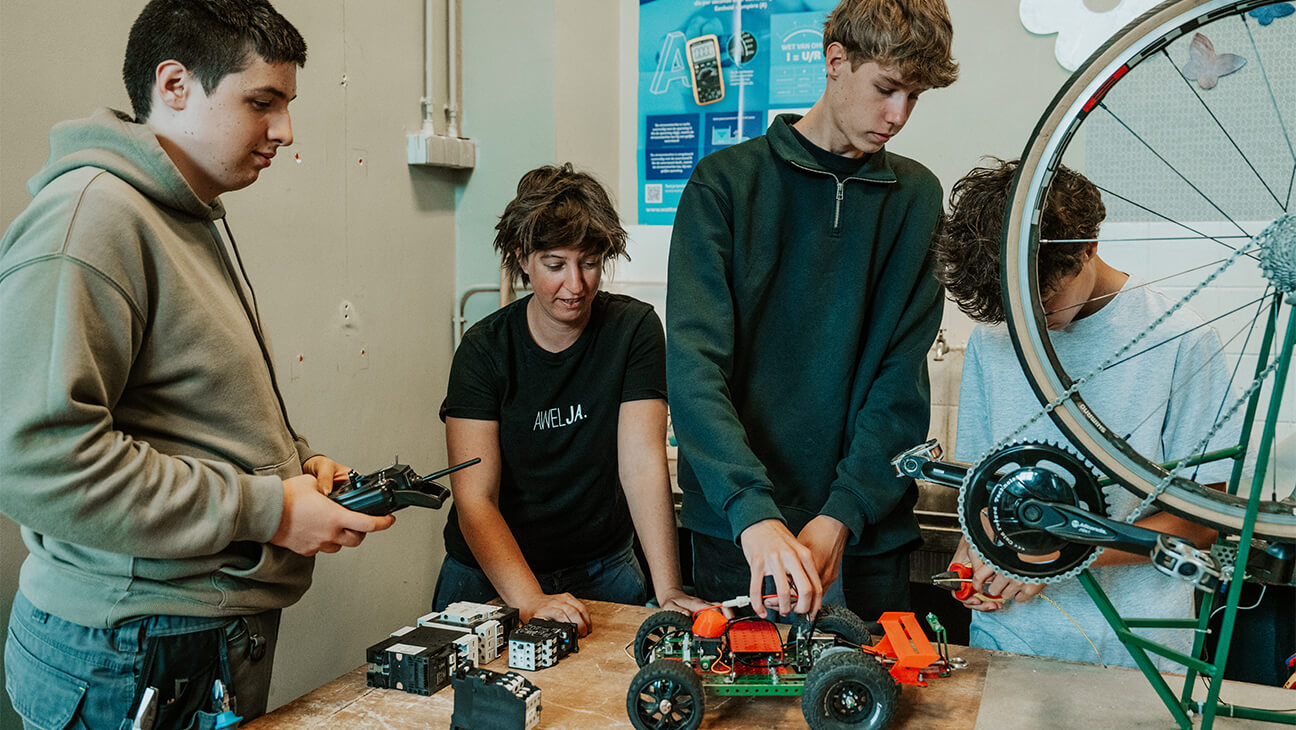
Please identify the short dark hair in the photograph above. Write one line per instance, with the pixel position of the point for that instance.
(913, 36)
(212, 38)
(557, 207)
(966, 247)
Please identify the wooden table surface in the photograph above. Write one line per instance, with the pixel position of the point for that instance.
(588, 690)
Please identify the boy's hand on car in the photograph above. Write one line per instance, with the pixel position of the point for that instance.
(771, 549)
(826, 537)
(677, 600)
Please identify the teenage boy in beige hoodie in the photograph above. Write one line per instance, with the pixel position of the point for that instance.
(169, 508)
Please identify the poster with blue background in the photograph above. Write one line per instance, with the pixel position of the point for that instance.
(713, 73)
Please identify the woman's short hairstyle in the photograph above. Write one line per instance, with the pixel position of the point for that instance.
(556, 206)
(966, 249)
(914, 37)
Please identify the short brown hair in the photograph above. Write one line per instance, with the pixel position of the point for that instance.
(557, 207)
(212, 38)
(912, 36)
(966, 247)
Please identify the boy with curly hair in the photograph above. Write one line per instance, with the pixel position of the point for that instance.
(1091, 308)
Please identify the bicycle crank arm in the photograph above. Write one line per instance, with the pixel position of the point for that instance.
(1074, 524)
(1172, 555)
(921, 462)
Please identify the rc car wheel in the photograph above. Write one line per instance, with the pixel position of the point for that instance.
(665, 695)
(844, 624)
(849, 690)
(838, 621)
(656, 629)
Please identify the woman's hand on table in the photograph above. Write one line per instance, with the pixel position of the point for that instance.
(559, 607)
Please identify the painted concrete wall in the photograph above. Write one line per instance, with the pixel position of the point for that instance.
(508, 98)
(541, 85)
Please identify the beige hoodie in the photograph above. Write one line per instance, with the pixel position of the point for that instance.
(142, 442)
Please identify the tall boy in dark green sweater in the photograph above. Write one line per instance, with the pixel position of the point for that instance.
(800, 308)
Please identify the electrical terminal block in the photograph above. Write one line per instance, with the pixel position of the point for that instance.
(490, 623)
(420, 660)
(540, 643)
(486, 700)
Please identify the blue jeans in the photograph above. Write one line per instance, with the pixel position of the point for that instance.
(64, 675)
(615, 578)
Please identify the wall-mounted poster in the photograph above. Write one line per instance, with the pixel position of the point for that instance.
(713, 73)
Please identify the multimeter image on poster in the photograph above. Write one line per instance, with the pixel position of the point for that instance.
(704, 67)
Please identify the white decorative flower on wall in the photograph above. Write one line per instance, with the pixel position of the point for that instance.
(1080, 31)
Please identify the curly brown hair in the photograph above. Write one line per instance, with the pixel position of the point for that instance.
(967, 243)
(557, 207)
(912, 36)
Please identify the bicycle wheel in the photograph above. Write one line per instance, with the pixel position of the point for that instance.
(1182, 121)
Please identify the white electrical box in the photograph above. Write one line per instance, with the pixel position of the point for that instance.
(436, 150)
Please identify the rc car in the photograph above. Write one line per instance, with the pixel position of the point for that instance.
(843, 678)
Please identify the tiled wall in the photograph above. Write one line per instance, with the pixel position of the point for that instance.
(945, 366)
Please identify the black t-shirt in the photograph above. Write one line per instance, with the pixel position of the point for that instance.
(559, 489)
(839, 165)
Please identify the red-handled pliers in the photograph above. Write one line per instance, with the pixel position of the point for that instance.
(959, 579)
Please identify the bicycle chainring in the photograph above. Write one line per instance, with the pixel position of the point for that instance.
(1002, 480)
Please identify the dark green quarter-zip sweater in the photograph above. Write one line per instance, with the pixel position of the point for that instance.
(800, 308)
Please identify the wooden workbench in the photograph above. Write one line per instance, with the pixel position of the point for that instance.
(588, 690)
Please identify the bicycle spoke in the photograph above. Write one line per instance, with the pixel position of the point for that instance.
(1199, 235)
(1277, 111)
(1142, 239)
(1188, 83)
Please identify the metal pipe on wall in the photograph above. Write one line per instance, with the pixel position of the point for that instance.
(452, 66)
(453, 100)
(427, 68)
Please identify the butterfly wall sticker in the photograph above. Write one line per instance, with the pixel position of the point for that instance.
(1270, 13)
(1205, 66)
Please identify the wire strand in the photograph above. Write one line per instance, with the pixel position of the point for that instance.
(1077, 625)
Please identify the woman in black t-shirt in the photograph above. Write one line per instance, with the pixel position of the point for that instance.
(563, 396)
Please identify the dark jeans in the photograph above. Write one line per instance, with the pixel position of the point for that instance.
(616, 578)
(1264, 635)
(64, 675)
(871, 584)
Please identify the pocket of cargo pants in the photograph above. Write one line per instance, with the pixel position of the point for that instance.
(46, 697)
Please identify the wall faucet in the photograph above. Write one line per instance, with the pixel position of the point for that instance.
(941, 346)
